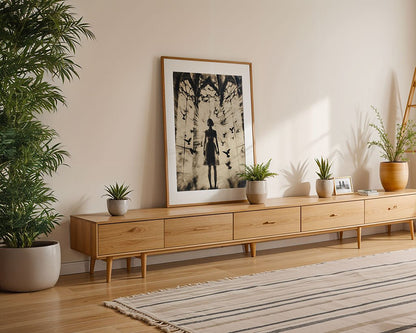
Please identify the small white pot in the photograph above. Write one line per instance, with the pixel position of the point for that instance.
(117, 207)
(324, 188)
(256, 191)
(31, 268)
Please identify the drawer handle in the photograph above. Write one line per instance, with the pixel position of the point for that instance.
(333, 215)
(394, 207)
(201, 228)
(269, 222)
(135, 229)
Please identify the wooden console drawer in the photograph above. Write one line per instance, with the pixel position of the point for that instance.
(392, 208)
(198, 230)
(266, 222)
(333, 215)
(119, 238)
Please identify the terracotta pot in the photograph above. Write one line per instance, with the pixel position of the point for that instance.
(324, 188)
(30, 269)
(394, 175)
(256, 191)
(117, 207)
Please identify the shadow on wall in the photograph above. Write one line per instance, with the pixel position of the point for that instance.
(295, 178)
(412, 167)
(358, 150)
(359, 153)
(153, 185)
(395, 109)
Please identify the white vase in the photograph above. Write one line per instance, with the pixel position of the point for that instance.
(117, 207)
(31, 268)
(324, 188)
(256, 191)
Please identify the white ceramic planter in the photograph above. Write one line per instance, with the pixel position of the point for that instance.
(256, 191)
(30, 269)
(117, 207)
(324, 188)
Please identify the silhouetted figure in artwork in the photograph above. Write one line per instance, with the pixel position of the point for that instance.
(211, 151)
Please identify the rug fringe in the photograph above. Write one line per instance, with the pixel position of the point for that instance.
(146, 318)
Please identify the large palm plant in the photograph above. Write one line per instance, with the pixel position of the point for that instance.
(37, 41)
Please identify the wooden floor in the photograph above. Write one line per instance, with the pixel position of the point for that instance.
(76, 303)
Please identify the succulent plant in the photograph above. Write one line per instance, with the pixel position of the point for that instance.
(324, 168)
(257, 172)
(117, 192)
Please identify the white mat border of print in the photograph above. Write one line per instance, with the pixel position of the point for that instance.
(330, 267)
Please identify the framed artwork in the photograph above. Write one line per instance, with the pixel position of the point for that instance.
(208, 118)
(343, 185)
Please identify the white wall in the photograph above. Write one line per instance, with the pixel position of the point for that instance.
(318, 65)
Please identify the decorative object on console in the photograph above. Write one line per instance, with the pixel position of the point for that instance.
(367, 192)
(117, 201)
(324, 185)
(343, 185)
(255, 176)
(208, 117)
(394, 173)
(38, 43)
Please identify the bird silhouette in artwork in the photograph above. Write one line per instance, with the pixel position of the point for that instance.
(193, 151)
(222, 143)
(232, 129)
(188, 141)
(227, 152)
(228, 164)
(224, 135)
(183, 115)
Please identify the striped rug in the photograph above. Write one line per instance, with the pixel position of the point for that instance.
(365, 294)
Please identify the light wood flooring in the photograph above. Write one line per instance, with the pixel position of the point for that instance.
(76, 303)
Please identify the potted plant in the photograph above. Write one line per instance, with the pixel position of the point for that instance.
(324, 185)
(117, 199)
(255, 175)
(38, 39)
(394, 173)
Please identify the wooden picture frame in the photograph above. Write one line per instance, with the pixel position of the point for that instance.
(343, 185)
(208, 121)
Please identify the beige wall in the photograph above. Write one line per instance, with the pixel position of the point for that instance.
(318, 65)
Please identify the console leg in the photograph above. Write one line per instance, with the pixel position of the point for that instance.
(143, 257)
(412, 229)
(246, 249)
(389, 229)
(92, 265)
(359, 238)
(109, 268)
(253, 249)
(340, 235)
(128, 264)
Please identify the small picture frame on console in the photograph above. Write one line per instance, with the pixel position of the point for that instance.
(343, 185)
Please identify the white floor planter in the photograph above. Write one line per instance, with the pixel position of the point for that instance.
(30, 269)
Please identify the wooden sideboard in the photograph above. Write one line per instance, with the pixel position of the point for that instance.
(162, 230)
